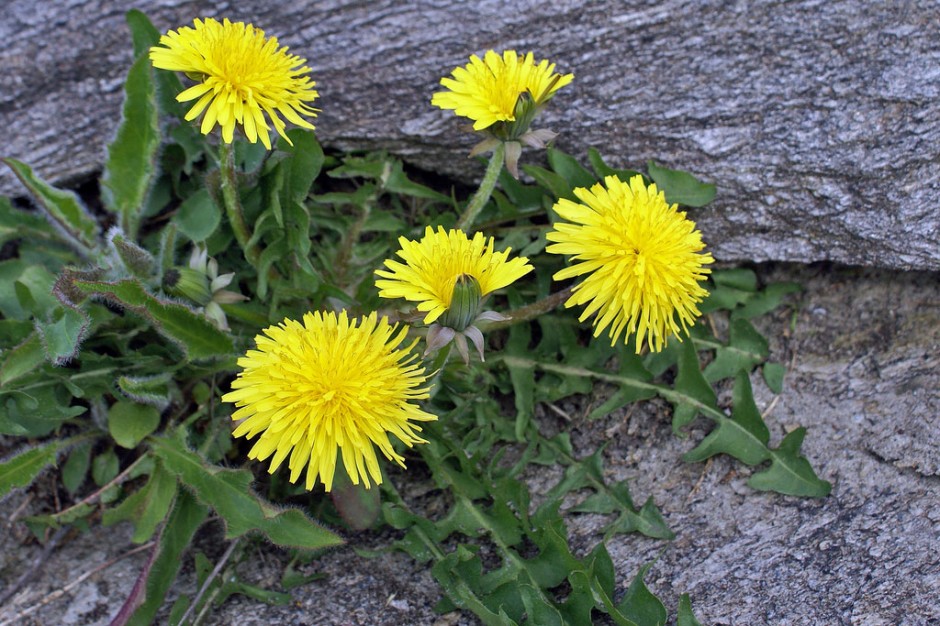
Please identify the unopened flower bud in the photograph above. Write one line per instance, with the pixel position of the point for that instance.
(188, 283)
(464, 303)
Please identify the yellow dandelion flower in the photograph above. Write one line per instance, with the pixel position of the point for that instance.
(642, 260)
(487, 90)
(242, 76)
(432, 266)
(327, 385)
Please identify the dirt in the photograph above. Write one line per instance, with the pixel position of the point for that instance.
(863, 351)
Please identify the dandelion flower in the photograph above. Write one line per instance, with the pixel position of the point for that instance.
(640, 256)
(329, 385)
(433, 265)
(488, 90)
(241, 74)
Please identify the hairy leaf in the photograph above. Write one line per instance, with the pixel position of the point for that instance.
(228, 492)
(63, 207)
(193, 333)
(131, 164)
(150, 589)
(21, 469)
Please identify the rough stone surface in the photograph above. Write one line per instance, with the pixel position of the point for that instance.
(820, 121)
(864, 372)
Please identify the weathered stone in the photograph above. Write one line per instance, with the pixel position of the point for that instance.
(820, 121)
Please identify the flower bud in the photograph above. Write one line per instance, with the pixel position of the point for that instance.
(465, 303)
(188, 283)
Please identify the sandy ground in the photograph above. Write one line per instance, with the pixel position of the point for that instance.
(865, 380)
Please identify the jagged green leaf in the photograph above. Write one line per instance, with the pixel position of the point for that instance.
(630, 366)
(568, 167)
(398, 182)
(75, 468)
(602, 170)
(63, 207)
(736, 278)
(131, 164)
(686, 616)
(229, 493)
(694, 392)
(22, 360)
(681, 187)
(147, 507)
(21, 469)
(149, 592)
(305, 162)
(789, 472)
(105, 467)
(766, 300)
(556, 185)
(153, 389)
(746, 348)
(640, 605)
(193, 333)
(773, 376)
(62, 337)
(744, 435)
(537, 610)
(31, 295)
(17, 223)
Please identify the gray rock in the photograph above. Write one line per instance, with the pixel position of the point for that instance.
(819, 121)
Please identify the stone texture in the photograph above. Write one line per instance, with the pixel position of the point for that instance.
(820, 121)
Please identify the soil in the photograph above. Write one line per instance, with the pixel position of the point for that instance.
(863, 350)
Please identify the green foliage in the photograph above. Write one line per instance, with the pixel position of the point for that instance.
(228, 493)
(131, 164)
(24, 467)
(105, 358)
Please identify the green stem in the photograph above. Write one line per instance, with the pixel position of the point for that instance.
(480, 198)
(531, 311)
(233, 207)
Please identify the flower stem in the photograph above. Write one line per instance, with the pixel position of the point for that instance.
(480, 198)
(532, 311)
(233, 207)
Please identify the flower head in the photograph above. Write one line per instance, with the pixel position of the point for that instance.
(241, 74)
(642, 260)
(500, 90)
(327, 385)
(433, 265)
